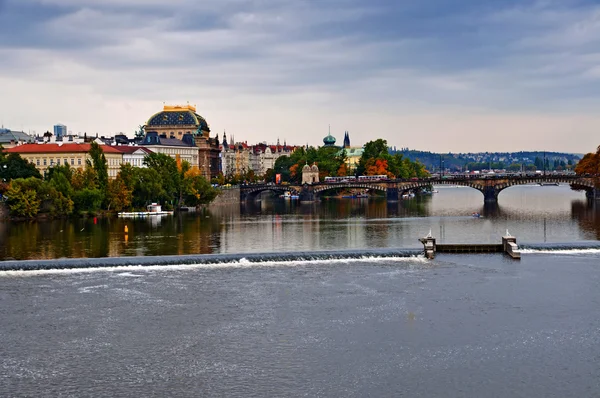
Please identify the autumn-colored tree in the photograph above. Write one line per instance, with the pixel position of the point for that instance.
(84, 178)
(343, 170)
(198, 190)
(589, 164)
(294, 170)
(377, 167)
(219, 179)
(118, 195)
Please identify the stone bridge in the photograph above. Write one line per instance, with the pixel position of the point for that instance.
(489, 186)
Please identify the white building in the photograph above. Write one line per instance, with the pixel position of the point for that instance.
(133, 155)
(184, 149)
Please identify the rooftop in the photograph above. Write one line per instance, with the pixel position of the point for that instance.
(58, 148)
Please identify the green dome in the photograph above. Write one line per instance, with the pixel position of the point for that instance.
(329, 140)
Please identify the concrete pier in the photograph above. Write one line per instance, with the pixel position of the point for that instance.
(508, 246)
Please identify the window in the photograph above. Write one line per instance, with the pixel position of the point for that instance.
(72, 162)
(65, 162)
(44, 161)
(37, 162)
(51, 162)
(79, 161)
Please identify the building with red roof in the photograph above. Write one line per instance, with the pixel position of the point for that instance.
(44, 156)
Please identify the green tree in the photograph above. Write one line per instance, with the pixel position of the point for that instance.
(99, 165)
(148, 187)
(22, 202)
(169, 175)
(13, 166)
(60, 179)
(88, 200)
(197, 189)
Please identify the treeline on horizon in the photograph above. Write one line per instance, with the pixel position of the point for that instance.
(529, 160)
(66, 191)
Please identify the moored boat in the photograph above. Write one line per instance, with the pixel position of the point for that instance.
(153, 209)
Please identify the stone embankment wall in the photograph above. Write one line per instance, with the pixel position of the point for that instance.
(228, 196)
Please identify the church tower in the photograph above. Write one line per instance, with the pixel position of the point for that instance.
(346, 140)
(224, 140)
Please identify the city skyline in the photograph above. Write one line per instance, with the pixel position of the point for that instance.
(441, 77)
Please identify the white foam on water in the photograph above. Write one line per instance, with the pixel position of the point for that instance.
(129, 274)
(241, 263)
(561, 251)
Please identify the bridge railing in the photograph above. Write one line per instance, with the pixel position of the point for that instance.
(453, 177)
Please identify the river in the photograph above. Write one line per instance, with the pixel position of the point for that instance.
(301, 325)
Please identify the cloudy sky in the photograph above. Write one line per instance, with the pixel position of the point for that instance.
(438, 75)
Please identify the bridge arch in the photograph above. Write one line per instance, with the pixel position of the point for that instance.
(320, 189)
(251, 192)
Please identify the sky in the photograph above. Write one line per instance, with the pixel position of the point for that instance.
(435, 75)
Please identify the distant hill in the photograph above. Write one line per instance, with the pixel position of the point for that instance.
(531, 160)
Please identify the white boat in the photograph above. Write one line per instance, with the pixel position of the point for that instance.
(153, 209)
(288, 195)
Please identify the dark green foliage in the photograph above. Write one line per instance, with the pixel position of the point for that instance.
(14, 166)
(100, 165)
(169, 176)
(88, 200)
(148, 187)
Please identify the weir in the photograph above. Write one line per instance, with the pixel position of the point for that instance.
(508, 246)
(204, 259)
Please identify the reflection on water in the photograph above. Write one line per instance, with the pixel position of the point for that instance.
(532, 213)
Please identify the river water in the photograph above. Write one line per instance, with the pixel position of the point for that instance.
(347, 325)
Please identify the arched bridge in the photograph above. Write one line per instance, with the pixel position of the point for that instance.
(489, 186)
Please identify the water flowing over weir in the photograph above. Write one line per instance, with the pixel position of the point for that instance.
(256, 258)
(587, 247)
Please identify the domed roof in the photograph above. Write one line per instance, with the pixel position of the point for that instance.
(329, 140)
(178, 116)
(314, 168)
(305, 168)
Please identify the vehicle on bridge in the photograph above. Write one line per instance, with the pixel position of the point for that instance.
(340, 179)
(380, 177)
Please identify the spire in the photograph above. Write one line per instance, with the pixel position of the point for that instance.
(224, 139)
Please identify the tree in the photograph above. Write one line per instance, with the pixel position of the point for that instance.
(198, 189)
(22, 202)
(14, 166)
(148, 187)
(169, 174)
(88, 200)
(514, 167)
(118, 195)
(99, 165)
(377, 167)
(589, 164)
(342, 171)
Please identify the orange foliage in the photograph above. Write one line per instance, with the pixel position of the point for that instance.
(294, 170)
(193, 172)
(343, 170)
(590, 164)
(376, 167)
